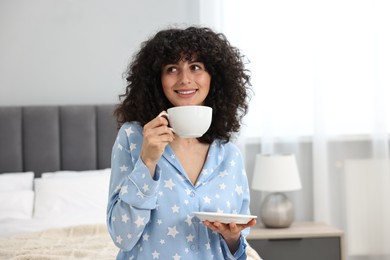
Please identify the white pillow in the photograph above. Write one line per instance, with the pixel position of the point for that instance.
(16, 204)
(16, 181)
(82, 196)
(75, 173)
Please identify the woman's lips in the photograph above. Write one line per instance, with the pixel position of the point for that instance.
(186, 92)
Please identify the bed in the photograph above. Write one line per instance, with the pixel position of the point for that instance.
(54, 175)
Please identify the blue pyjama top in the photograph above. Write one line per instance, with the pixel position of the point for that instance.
(152, 218)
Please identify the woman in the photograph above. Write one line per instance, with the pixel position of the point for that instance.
(159, 179)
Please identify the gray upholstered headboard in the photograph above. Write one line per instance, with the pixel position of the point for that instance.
(52, 138)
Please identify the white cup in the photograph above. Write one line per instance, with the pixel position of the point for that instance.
(190, 121)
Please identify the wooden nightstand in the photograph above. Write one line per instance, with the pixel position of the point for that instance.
(301, 241)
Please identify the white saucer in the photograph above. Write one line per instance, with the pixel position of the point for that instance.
(224, 218)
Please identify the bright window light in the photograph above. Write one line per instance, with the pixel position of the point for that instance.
(314, 64)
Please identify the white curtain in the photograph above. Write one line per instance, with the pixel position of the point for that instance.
(321, 76)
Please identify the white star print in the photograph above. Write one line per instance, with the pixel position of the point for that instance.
(119, 239)
(222, 186)
(169, 184)
(188, 191)
(125, 218)
(176, 257)
(129, 131)
(207, 200)
(159, 222)
(155, 254)
(189, 220)
(190, 238)
(238, 189)
(175, 209)
(145, 237)
(124, 189)
(123, 168)
(223, 174)
(129, 236)
(145, 187)
(139, 222)
(208, 246)
(172, 231)
(133, 146)
(162, 241)
(232, 163)
(120, 147)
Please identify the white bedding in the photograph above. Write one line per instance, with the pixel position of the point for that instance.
(75, 242)
(11, 227)
(58, 199)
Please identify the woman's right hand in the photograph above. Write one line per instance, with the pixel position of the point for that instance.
(157, 135)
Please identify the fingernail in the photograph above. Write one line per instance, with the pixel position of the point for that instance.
(164, 114)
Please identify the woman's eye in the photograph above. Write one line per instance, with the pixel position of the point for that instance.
(171, 69)
(196, 67)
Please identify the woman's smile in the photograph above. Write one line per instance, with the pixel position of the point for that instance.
(186, 93)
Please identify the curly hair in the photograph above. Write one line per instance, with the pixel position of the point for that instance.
(144, 98)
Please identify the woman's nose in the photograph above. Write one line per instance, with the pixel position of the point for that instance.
(185, 77)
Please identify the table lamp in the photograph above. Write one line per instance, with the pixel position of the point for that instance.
(276, 174)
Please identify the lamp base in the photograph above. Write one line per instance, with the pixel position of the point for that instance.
(277, 211)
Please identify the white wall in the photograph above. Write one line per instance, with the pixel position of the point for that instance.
(74, 52)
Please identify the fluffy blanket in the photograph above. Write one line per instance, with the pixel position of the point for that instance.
(76, 242)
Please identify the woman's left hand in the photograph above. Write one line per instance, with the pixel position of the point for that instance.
(230, 232)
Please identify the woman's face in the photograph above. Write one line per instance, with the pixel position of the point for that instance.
(185, 83)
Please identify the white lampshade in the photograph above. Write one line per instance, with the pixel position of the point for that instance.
(276, 173)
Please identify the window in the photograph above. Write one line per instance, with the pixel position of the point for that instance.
(315, 64)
